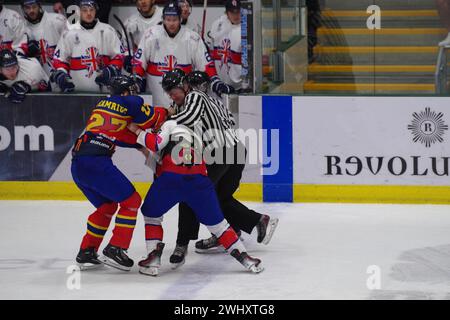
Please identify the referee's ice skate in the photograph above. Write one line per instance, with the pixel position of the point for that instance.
(178, 257)
(266, 228)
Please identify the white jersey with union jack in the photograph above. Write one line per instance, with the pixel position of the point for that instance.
(31, 72)
(47, 33)
(137, 24)
(159, 53)
(83, 52)
(13, 32)
(226, 50)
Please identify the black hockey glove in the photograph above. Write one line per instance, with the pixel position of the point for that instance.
(106, 75)
(244, 91)
(220, 87)
(18, 92)
(63, 80)
(33, 49)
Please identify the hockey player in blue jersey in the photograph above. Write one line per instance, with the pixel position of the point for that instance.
(103, 184)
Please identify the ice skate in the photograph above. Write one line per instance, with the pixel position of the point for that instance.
(250, 263)
(177, 258)
(117, 258)
(210, 245)
(150, 266)
(265, 228)
(87, 259)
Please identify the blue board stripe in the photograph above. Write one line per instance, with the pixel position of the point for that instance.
(277, 115)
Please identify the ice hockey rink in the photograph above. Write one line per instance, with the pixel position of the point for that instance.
(319, 251)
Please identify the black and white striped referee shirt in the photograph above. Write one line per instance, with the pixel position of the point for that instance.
(205, 113)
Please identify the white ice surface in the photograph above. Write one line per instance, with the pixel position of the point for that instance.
(319, 251)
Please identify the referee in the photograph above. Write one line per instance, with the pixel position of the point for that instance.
(198, 111)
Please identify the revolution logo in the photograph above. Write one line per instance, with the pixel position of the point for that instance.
(428, 127)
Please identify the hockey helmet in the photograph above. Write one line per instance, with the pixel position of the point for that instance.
(172, 9)
(233, 5)
(7, 59)
(173, 79)
(121, 84)
(30, 2)
(198, 80)
(180, 72)
(90, 3)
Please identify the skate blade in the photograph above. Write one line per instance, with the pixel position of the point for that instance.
(89, 266)
(109, 262)
(149, 271)
(177, 265)
(273, 223)
(257, 269)
(219, 249)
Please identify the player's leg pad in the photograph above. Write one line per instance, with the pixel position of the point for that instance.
(153, 231)
(226, 236)
(126, 221)
(97, 225)
(212, 245)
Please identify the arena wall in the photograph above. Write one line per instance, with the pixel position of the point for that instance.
(308, 149)
(367, 149)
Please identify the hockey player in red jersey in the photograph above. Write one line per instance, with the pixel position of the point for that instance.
(101, 182)
(194, 107)
(181, 177)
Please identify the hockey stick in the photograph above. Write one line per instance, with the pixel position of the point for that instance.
(131, 39)
(102, 42)
(130, 54)
(125, 33)
(205, 5)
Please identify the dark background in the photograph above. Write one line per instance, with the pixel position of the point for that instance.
(66, 115)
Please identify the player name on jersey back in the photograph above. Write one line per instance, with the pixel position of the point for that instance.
(112, 106)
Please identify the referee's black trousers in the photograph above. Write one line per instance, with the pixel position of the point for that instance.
(226, 178)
